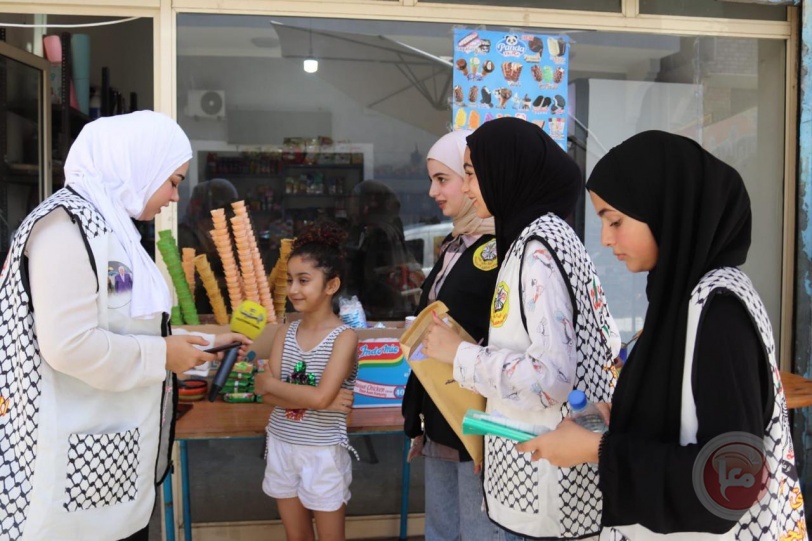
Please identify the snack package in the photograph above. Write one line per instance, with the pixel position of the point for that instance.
(351, 312)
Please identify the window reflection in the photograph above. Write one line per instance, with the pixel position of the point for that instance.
(299, 147)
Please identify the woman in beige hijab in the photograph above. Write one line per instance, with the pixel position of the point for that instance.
(464, 278)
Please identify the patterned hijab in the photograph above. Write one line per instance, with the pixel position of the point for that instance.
(450, 151)
(523, 174)
(699, 213)
(117, 163)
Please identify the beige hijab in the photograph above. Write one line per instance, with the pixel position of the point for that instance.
(450, 151)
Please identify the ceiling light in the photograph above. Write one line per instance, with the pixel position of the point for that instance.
(311, 65)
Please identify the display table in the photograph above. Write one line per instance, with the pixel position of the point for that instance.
(797, 389)
(221, 420)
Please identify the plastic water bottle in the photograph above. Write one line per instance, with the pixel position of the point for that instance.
(585, 413)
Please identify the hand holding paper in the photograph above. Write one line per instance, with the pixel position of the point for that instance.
(420, 343)
(440, 342)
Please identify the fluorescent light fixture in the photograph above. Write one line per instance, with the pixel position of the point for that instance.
(311, 65)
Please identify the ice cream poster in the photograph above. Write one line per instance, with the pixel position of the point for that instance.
(517, 74)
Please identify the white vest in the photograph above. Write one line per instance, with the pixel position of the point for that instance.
(782, 515)
(76, 463)
(536, 499)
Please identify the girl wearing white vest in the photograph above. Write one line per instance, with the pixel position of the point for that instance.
(86, 384)
(698, 445)
(550, 329)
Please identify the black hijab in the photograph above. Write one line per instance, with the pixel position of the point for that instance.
(699, 213)
(523, 174)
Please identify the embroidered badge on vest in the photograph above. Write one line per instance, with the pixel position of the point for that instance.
(485, 256)
(500, 306)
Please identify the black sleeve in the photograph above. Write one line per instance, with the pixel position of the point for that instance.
(650, 483)
(412, 406)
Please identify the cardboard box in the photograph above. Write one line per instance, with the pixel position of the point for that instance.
(382, 368)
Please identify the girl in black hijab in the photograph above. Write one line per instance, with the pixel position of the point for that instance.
(703, 368)
(550, 329)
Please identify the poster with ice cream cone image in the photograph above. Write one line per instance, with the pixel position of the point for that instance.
(517, 74)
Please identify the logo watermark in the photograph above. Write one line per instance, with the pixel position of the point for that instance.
(731, 474)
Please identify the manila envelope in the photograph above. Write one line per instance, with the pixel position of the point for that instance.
(438, 380)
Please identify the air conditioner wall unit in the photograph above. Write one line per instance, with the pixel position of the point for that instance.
(206, 104)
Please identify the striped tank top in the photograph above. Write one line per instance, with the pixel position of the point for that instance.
(309, 427)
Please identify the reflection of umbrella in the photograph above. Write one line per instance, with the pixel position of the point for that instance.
(378, 72)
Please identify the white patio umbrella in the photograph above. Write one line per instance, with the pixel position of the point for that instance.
(380, 73)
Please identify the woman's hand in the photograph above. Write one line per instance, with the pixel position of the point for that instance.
(568, 445)
(342, 402)
(182, 355)
(230, 337)
(441, 342)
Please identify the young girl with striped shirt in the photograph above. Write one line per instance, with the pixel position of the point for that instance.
(310, 376)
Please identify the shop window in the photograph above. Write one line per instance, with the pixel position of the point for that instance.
(720, 9)
(299, 146)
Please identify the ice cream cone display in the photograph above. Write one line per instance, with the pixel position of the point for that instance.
(225, 249)
(278, 279)
(249, 279)
(188, 263)
(218, 305)
(259, 284)
(497, 73)
(171, 257)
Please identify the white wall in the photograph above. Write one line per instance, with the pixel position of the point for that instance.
(276, 84)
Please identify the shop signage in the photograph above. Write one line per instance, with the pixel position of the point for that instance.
(517, 74)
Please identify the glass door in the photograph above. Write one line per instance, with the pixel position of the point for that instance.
(24, 138)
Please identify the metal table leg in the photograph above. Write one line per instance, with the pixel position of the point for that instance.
(169, 511)
(404, 491)
(184, 475)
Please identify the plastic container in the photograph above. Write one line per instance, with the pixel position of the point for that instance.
(95, 104)
(585, 413)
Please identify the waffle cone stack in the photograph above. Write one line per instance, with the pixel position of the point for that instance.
(222, 241)
(188, 264)
(218, 305)
(278, 279)
(169, 251)
(254, 283)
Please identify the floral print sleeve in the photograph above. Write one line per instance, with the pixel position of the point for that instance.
(543, 375)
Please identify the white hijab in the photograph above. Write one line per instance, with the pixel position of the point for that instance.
(117, 163)
(450, 151)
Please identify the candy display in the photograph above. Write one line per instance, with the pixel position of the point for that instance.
(169, 252)
(192, 390)
(239, 387)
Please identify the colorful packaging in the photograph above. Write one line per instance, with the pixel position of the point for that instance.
(382, 370)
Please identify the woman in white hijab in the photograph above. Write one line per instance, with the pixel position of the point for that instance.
(86, 384)
(464, 278)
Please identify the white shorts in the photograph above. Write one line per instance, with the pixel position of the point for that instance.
(319, 476)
